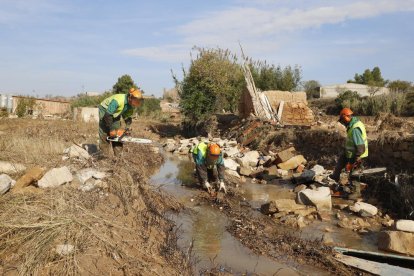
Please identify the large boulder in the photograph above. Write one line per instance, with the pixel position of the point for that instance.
(320, 198)
(364, 209)
(396, 241)
(230, 164)
(292, 163)
(55, 178)
(169, 147)
(249, 159)
(246, 171)
(232, 173)
(318, 169)
(405, 225)
(5, 183)
(11, 168)
(29, 178)
(230, 152)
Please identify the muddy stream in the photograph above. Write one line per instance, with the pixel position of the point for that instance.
(214, 247)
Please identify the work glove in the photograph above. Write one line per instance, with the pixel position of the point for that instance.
(349, 167)
(207, 186)
(222, 187)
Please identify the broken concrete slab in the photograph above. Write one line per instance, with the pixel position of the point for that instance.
(232, 173)
(231, 164)
(11, 168)
(249, 159)
(246, 171)
(29, 178)
(55, 178)
(320, 198)
(292, 163)
(5, 183)
(405, 225)
(396, 241)
(230, 152)
(285, 155)
(364, 209)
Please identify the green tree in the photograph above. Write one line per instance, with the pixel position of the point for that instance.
(311, 88)
(213, 82)
(24, 105)
(370, 77)
(271, 77)
(123, 85)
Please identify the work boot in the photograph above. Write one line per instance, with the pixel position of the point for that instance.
(356, 191)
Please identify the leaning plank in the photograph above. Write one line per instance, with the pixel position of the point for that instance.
(374, 267)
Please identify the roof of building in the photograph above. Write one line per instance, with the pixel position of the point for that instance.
(39, 99)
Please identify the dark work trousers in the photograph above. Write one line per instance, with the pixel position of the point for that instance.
(340, 165)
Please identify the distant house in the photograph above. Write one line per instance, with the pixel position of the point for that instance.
(43, 106)
(332, 91)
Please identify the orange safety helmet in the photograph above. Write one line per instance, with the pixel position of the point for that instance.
(135, 93)
(345, 115)
(214, 149)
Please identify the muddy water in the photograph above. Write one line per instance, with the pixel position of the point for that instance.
(206, 226)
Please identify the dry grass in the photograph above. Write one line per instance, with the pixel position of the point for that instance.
(121, 230)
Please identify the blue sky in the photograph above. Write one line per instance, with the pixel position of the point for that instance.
(65, 47)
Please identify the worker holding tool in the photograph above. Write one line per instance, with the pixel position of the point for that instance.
(206, 157)
(110, 112)
(356, 149)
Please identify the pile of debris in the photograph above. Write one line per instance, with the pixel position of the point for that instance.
(86, 179)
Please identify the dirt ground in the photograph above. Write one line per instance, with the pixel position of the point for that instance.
(118, 230)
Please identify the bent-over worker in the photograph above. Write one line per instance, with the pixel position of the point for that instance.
(356, 149)
(111, 110)
(206, 158)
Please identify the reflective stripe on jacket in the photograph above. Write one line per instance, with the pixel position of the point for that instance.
(200, 156)
(350, 147)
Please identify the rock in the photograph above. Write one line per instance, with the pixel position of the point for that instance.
(230, 152)
(5, 183)
(306, 177)
(306, 211)
(327, 239)
(292, 163)
(230, 164)
(301, 222)
(90, 185)
(285, 155)
(155, 150)
(396, 241)
(300, 168)
(11, 168)
(405, 225)
(340, 206)
(245, 171)
(318, 169)
(320, 198)
(55, 177)
(88, 173)
(232, 173)
(282, 172)
(29, 178)
(364, 209)
(281, 205)
(299, 188)
(64, 249)
(169, 147)
(345, 223)
(231, 143)
(75, 151)
(249, 159)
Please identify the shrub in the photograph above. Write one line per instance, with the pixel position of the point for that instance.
(149, 107)
(24, 105)
(89, 101)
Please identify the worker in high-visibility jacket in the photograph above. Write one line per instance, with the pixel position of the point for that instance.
(356, 149)
(111, 110)
(207, 157)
